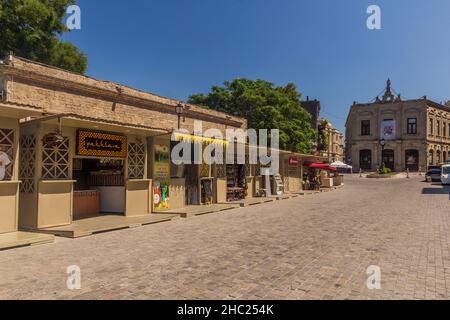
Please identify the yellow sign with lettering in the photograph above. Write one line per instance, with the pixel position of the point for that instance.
(100, 144)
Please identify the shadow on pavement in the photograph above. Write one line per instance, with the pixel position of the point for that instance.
(438, 189)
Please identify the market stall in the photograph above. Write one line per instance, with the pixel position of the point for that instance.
(318, 176)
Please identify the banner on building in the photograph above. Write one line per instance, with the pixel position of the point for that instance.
(388, 130)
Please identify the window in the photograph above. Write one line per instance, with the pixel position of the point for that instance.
(431, 126)
(412, 125)
(438, 128)
(444, 129)
(365, 128)
(431, 157)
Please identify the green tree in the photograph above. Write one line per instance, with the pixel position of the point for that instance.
(265, 106)
(32, 28)
(323, 140)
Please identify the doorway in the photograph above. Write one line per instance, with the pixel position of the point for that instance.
(365, 159)
(388, 159)
(99, 187)
(192, 182)
(412, 160)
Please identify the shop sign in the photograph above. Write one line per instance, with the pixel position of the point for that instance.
(293, 161)
(100, 144)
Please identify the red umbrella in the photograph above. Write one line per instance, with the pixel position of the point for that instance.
(321, 166)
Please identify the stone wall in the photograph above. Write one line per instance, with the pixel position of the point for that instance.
(57, 91)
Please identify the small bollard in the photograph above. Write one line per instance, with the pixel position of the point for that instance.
(420, 172)
(360, 173)
(407, 173)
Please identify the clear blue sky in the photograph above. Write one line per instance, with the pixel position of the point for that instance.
(175, 48)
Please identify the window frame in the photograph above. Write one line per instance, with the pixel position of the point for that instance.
(411, 128)
(365, 128)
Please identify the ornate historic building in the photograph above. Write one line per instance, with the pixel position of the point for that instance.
(335, 148)
(402, 134)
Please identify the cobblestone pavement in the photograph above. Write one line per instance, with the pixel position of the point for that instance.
(311, 247)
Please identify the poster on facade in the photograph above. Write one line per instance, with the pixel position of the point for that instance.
(161, 176)
(160, 196)
(161, 164)
(388, 130)
(4, 163)
(6, 153)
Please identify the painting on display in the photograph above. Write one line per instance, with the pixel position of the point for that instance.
(161, 176)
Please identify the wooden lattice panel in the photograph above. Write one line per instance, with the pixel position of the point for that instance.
(257, 168)
(136, 161)
(205, 170)
(7, 147)
(27, 163)
(220, 170)
(55, 161)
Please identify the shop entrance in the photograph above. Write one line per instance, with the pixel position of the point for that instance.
(388, 159)
(236, 182)
(99, 187)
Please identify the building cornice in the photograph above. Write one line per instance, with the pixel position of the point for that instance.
(121, 94)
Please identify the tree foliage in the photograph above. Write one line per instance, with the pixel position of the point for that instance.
(265, 106)
(323, 143)
(32, 28)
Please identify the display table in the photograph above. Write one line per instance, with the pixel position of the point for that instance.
(338, 181)
(86, 204)
(9, 204)
(112, 199)
(235, 194)
(327, 182)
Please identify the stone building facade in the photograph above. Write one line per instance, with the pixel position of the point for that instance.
(335, 150)
(88, 138)
(402, 134)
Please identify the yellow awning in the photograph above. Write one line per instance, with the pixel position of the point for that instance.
(199, 139)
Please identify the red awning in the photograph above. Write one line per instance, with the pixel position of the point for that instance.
(321, 166)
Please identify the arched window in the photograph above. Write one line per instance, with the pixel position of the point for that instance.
(365, 159)
(431, 157)
(438, 157)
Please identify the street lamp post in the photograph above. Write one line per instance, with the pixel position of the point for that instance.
(179, 110)
(382, 144)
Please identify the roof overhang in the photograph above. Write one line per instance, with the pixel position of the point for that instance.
(16, 111)
(77, 121)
